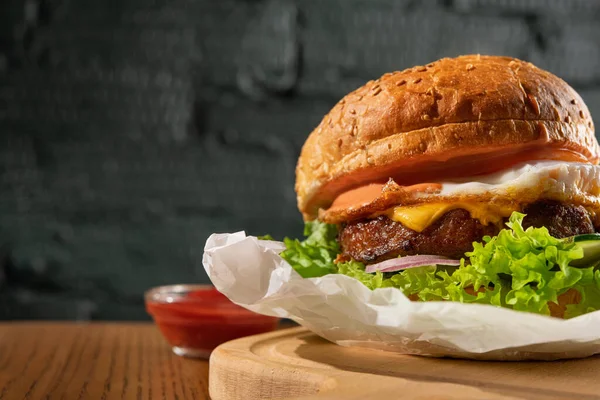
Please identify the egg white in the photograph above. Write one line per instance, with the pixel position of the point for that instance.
(555, 178)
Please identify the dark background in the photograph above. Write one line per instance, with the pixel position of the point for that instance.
(132, 129)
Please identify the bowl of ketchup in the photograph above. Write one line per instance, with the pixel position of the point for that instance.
(194, 319)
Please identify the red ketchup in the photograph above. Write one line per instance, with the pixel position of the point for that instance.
(195, 319)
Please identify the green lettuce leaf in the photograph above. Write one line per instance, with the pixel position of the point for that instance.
(589, 290)
(522, 269)
(314, 256)
(356, 270)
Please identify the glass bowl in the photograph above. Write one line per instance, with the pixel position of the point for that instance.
(194, 319)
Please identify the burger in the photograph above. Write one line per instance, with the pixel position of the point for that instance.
(470, 179)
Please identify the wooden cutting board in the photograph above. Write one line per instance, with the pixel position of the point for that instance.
(296, 364)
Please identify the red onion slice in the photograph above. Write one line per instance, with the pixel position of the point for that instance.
(399, 264)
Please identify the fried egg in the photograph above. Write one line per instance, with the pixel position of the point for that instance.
(489, 198)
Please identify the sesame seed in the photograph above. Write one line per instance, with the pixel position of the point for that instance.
(556, 113)
(425, 117)
(581, 114)
(534, 103)
(400, 83)
(542, 129)
(376, 91)
(470, 67)
(352, 111)
(417, 80)
(421, 69)
(573, 101)
(568, 119)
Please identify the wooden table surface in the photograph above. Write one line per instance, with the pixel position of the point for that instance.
(94, 361)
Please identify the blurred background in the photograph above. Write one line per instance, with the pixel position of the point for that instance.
(130, 130)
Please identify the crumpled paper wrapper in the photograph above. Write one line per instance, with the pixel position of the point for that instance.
(342, 310)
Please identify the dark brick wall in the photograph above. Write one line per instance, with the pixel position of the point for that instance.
(132, 129)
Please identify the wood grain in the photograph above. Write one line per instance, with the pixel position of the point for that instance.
(94, 361)
(296, 364)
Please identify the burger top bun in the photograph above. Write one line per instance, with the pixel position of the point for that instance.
(454, 117)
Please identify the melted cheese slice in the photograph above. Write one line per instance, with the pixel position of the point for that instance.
(418, 218)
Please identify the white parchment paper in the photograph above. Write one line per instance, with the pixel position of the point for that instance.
(340, 309)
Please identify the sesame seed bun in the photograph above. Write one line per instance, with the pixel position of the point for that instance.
(443, 119)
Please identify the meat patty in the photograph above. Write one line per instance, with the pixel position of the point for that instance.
(561, 220)
(452, 235)
(381, 238)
